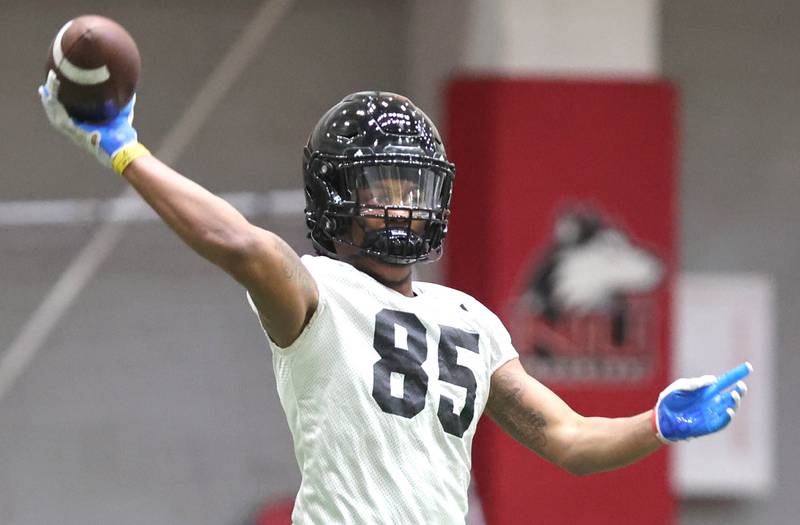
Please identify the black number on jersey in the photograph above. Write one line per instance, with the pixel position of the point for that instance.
(407, 360)
(451, 372)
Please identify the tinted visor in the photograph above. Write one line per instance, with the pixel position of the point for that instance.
(396, 186)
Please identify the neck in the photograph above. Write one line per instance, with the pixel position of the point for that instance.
(401, 284)
(394, 276)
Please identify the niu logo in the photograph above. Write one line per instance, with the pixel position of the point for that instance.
(586, 311)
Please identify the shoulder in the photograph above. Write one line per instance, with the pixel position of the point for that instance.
(325, 263)
(321, 267)
(316, 261)
(338, 280)
(444, 292)
(465, 301)
(478, 317)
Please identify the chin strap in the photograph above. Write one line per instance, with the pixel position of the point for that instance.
(394, 242)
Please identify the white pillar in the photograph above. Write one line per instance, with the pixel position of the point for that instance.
(562, 37)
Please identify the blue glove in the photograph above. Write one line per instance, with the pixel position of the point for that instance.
(692, 407)
(113, 143)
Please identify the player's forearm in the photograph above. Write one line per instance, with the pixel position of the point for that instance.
(207, 223)
(601, 444)
(540, 420)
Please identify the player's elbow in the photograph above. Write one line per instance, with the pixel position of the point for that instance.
(578, 468)
(570, 454)
(230, 250)
(248, 254)
(578, 464)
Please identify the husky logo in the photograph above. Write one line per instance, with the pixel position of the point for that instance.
(587, 311)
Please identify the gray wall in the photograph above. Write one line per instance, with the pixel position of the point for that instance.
(738, 66)
(154, 401)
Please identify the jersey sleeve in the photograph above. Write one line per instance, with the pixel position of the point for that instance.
(502, 348)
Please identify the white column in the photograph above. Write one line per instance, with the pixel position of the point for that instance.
(562, 37)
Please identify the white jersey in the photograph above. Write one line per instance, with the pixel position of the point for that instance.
(382, 393)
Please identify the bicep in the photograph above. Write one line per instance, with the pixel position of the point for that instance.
(281, 287)
(530, 412)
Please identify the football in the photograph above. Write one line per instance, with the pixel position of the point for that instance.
(97, 63)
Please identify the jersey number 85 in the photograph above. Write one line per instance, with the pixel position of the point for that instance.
(408, 362)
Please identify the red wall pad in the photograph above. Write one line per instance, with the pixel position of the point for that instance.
(564, 224)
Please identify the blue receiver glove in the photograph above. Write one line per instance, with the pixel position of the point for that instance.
(113, 143)
(692, 407)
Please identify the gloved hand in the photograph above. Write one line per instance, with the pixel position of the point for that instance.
(692, 407)
(113, 143)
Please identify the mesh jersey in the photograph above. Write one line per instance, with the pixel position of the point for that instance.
(382, 393)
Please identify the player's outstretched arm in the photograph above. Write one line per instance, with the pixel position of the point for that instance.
(537, 418)
(281, 287)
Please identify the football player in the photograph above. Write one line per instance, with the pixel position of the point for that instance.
(382, 378)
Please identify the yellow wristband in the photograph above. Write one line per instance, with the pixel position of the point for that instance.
(128, 154)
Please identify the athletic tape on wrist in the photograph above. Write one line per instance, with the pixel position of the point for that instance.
(128, 154)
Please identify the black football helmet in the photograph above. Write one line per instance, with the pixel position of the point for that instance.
(375, 155)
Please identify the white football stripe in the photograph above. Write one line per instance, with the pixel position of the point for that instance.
(72, 72)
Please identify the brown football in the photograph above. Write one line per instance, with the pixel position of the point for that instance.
(97, 63)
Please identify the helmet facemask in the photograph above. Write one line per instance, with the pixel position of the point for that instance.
(393, 209)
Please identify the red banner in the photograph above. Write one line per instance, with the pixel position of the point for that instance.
(564, 224)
